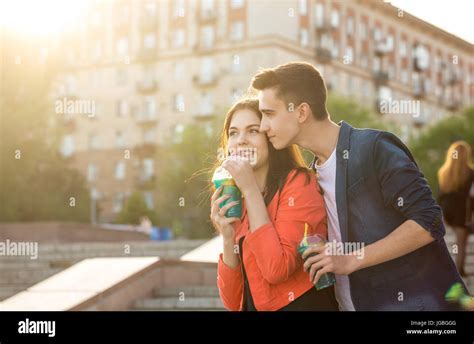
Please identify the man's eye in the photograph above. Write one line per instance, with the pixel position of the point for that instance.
(254, 131)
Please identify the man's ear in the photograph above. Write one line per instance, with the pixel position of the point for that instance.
(304, 112)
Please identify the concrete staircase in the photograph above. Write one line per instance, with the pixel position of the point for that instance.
(189, 298)
(19, 273)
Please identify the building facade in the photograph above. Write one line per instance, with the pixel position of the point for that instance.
(151, 67)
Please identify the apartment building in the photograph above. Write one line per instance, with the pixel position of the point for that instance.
(151, 67)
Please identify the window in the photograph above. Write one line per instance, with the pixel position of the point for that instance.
(206, 105)
(377, 34)
(121, 76)
(236, 64)
(122, 108)
(335, 18)
(385, 93)
(148, 196)
(207, 8)
(319, 14)
(178, 71)
(149, 108)
(304, 38)
(234, 4)
(178, 38)
(92, 172)
(149, 41)
(363, 31)
(207, 68)
(120, 170)
(303, 7)
(179, 102)
(122, 46)
(350, 26)
(94, 141)
(67, 147)
(149, 136)
(97, 50)
(179, 8)
(376, 64)
(118, 202)
(207, 36)
(148, 168)
(404, 76)
(402, 50)
(237, 31)
(349, 55)
(119, 139)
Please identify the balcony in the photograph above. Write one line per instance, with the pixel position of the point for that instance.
(207, 16)
(146, 149)
(147, 86)
(450, 77)
(147, 54)
(147, 119)
(205, 80)
(148, 22)
(453, 104)
(380, 77)
(144, 179)
(419, 89)
(381, 48)
(323, 55)
(323, 26)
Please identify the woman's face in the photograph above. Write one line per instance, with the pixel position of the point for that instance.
(244, 138)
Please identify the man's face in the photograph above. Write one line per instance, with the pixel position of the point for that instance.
(279, 120)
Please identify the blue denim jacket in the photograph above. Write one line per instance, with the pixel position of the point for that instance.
(378, 187)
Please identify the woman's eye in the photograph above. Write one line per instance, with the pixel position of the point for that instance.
(232, 133)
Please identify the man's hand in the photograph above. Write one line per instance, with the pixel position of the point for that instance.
(322, 263)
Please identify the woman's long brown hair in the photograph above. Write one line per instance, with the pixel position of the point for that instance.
(281, 162)
(457, 168)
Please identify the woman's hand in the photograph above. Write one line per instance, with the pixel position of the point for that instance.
(221, 223)
(242, 172)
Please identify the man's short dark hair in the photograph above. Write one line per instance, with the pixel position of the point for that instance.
(296, 82)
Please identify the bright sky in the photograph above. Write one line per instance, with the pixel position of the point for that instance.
(49, 16)
(453, 16)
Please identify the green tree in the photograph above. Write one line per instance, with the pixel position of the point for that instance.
(135, 208)
(184, 178)
(430, 147)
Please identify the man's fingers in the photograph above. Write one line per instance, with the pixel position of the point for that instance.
(312, 260)
(312, 249)
(315, 267)
(320, 273)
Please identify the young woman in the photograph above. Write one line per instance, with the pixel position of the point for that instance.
(455, 179)
(260, 268)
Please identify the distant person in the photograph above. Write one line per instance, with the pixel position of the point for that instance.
(455, 180)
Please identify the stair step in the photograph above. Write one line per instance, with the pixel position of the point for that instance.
(190, 291)
(189, 303)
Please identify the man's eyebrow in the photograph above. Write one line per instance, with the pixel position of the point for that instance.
(248, 126)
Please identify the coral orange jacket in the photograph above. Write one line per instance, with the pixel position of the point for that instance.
(273, 266)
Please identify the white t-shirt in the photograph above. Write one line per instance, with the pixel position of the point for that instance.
(327, 181)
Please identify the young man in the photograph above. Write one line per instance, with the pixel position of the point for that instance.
(375, 196)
